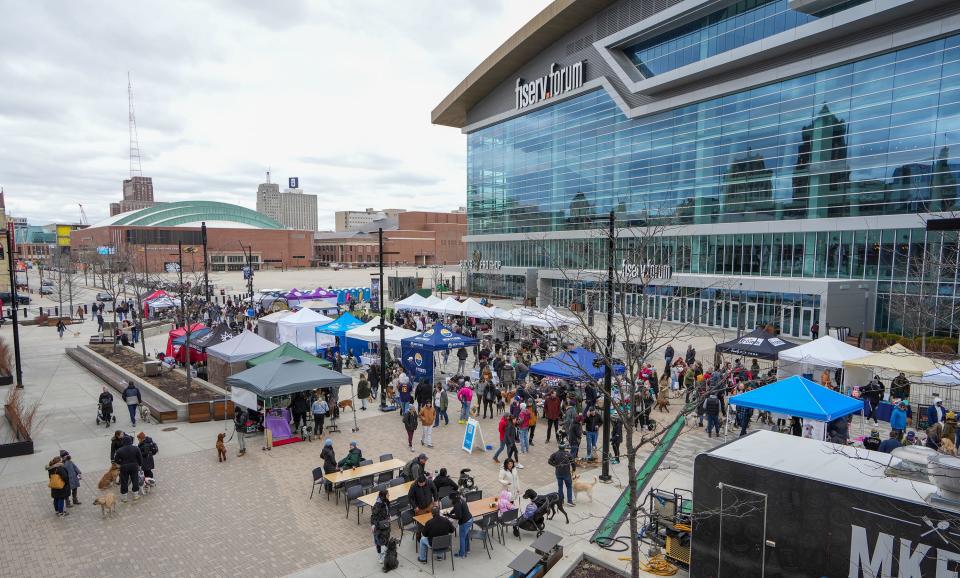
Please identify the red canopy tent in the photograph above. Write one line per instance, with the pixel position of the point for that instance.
(155, 295)
(178, 352)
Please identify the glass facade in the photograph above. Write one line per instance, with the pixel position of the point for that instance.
(877, 136)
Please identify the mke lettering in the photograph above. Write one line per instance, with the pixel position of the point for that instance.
(909, 563)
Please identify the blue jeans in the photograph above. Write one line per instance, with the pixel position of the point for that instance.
(424, 543)
(567, 481)
(524, 440)
(591, 443)
(446, 419)
(58, 504)
(464, 532)
(574, 449)
(502, 447)
(464, 411)
(713, 423)
(133, 413)
(403, 408)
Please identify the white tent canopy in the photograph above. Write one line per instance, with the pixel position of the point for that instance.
(164, 303)
(451, 306)
(431, 301)
(299, 329)
(473, 309)
(943, 375)
(275, 317)
(826, 351)
(245, 346)
(366, 332)
(412, 302)
(319, 305)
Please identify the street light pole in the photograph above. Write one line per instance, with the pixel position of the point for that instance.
(206, 280)
(608, 367)
(13, 296)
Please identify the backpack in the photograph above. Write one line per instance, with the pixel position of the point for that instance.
(154, 449)
(56, 482)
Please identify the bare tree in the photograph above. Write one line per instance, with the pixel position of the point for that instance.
(63, 278)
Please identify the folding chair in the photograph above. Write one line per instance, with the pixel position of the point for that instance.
(440, 545)
(386, 457)
(353, 493)
(474, 496)
(317, 479)
(481, 529)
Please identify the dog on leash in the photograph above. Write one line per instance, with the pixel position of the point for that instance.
(109, 478)
(345, 404)
(553, 501)
(581, 487)
(144, 413)
(663, 401)
(107, 503)
(221, 448)
(390, 561)
(306, 433)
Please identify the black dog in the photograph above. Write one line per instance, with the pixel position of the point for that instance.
(390, 561)
(552, 502)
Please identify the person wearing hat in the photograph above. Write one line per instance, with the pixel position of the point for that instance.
(898, 419)
(353, 459)
(873, 393)
(564, 465)
(74, 475)
(911, 439)
(936, 412)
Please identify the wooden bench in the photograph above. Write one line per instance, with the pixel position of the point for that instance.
(199, 412)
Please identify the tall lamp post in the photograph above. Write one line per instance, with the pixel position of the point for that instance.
(13, 296)
(608, 366)
(383, 326)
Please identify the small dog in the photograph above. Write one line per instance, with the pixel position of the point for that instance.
(583, 487)
(109, 478)
(144, 413)
(145, 483)
(221, 448)
(306, 433)
(552, 500)
(345, 404)
(390, 561)
(663, 401)
(107, 503)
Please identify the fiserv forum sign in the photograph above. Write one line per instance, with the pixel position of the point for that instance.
(557, 81)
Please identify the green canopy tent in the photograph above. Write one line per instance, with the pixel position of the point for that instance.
(285, 376)
(288, 350)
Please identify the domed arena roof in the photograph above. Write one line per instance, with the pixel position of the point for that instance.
(192, 214)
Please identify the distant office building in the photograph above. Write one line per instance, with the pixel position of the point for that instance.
(19, 223)
(137, 194)
(292, 208)
(357, 220)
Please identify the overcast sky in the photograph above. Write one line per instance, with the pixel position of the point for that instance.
(336, 92)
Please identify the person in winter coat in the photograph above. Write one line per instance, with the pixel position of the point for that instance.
(427, 417)
(489, 394)
(59, 486)
(509, 477)
(574, 434)
(890, 444)
(299, 408)
(404, 393)
(502, 429)
(743, 418)
(872, 442)
(461, 513)
(691, 355)
(130, 460)
(551, 412)
(461, 361)
(505, 502)
(837, 431)
(564, 465)
(570, 415)
(363, 391)
(320, 409)
(440, 403)
(423, 393)
(410, 420)
(443, 480)
(353, 458)
(380, 522)
(329, 457)
(131, 396)
(667, 358)
(900, 387)
(148, 448)
(510, 437)
(116, 442)
(465, 397)
(713, 409)
(523, 428)
(898, 420)
(591, 425)
(873, 393)
(590, 396)
(73, 472)
(936, 413)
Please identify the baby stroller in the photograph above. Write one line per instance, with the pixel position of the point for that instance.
(105, 414)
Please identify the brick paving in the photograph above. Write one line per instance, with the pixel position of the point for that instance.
(249, 514)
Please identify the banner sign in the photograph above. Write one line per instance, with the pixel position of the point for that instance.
(375, 293)
(294, 182)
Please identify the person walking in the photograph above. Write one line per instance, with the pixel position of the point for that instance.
(440, 403)
(131, 396)
(591, 424)
(363, 391)
(130, 460)
(405, 393)
(319, 409)
(99, 321)
(299, 409)
(59, 484)
(74, 475)
(873, 393)
(564, 464)
(667, 358)
(148, 448)
(551, 411)
(423, 393)
(574, 434)
(510, 437)
(532, 408)
(461, 361)
(898, 420)
(523, 428)
(489, 397)
(502, 429)
(713, 409)
(744, 414)
(410, 420)
(465, 396)
(427, 417)
(461, 513)
(80, 313)
(509, 477)
(616, 438)
(61, 327)
(380, 522)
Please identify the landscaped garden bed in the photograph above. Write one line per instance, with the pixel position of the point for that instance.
(172, 383)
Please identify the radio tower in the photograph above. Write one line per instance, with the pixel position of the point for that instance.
(135, 168)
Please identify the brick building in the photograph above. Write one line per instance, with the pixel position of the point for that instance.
(156, 232)
(412, 238)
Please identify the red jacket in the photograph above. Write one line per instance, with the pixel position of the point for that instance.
(551, 408)
(502, 427)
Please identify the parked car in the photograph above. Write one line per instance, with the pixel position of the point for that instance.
(46, 283)
(46, 290)
(7, 298)
(103, 296)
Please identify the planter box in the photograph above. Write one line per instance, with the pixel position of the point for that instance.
(199, 412)
(24, 445)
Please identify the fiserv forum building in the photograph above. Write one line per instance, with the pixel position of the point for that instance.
(795, 150)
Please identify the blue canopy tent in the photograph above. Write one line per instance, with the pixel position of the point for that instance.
(417, 351)
(798, 396)
(338, 328)
(578, 364)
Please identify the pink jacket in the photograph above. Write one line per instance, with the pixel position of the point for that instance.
(504, 504)
(465, 394)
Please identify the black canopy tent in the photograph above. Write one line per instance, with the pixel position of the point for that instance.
(758, 343)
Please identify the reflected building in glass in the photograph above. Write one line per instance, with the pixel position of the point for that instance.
(790, 155)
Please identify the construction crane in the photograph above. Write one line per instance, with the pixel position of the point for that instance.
(83, 215)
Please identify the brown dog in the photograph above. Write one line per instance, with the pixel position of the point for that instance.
(221, 448)
(107, 503)
(580, 487)
(109, 478)
(663, 400)
(345, 404)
